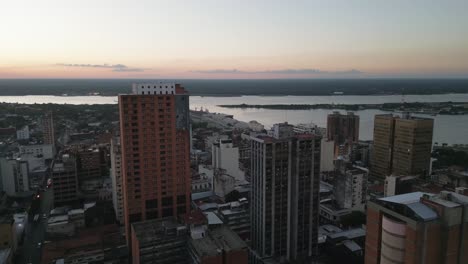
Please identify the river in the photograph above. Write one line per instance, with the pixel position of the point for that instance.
(447, 129)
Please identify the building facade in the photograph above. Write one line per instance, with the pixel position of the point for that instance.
(350, 186)
(343, 128)
(418, 228)
(402, 145)
(48, 130)
(285, 170)
(225, 156)
(116, 176)
(65, 180)
(154, 130)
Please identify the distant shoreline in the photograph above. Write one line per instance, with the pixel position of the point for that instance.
(433, 108)
(232, 88)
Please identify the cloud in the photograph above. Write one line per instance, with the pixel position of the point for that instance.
(114, 67)
(283, 71)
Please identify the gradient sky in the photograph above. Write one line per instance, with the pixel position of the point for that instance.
(233, 39)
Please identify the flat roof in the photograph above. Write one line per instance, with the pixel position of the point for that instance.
(351, 245)
(406, 198)
(213, 219)
(349, 234)
(148, 231)
(217, 240)
(412, 202)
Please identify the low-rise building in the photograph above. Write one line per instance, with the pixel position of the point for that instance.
(159, 241)
(219, 246)
(60, 226)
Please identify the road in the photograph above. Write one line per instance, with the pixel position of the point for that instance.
(35, 233)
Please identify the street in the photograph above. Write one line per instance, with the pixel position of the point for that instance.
(35, 233)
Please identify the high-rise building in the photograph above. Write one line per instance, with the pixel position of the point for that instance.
(343, 128)
(350, 186)
(65, 180)
(285, 170)
(116, 176)
(154, 135)
(417, 228)
(14, 176)
(402, 145)
(225, 156)
(48, 129)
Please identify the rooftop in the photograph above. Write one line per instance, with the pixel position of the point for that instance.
(148, 231)
(348, 234)
(218, 239)
(409, 204)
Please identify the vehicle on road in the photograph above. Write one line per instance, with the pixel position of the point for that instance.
(44, 216)
(39, 245)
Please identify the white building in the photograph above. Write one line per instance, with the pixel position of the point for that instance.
(225, 156)
(350, 186)
(23, 133)
(327, 155)
(14, 176)
(44, 150)
(116, 176)
(212, 139)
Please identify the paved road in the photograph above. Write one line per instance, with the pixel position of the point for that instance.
(35, 233)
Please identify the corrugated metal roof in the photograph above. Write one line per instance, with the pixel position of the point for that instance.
(423, 211)
(407, 198)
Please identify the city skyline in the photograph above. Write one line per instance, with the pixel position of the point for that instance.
(241, 40)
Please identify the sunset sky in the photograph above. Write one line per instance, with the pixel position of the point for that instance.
(233, 39)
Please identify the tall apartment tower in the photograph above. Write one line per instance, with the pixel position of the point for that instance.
(417, 228)
(154, 137)
(343, 128)
(285, 170)
(402, 145)
(48, 129)
(116, 176)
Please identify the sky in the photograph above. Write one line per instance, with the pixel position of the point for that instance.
(233, 39)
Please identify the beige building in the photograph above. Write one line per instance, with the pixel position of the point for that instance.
(402, 145)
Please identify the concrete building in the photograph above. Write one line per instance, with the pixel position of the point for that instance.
(238, 220)
(343, 128)
(225, 156)
(88, 163)
(116, 177)
(14, 176)
(223, 183)
(44, 151)
(48, 130)
(402, 145)
(327, 155)
(285, 170)
(162, 241)
(219, 246)
(350, 186)
(64, 180)
(395, 185)
(22, 133)
(155, 142)
(60, 226)
(418, 228)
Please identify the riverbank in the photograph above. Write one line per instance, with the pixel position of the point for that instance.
(433, 108)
